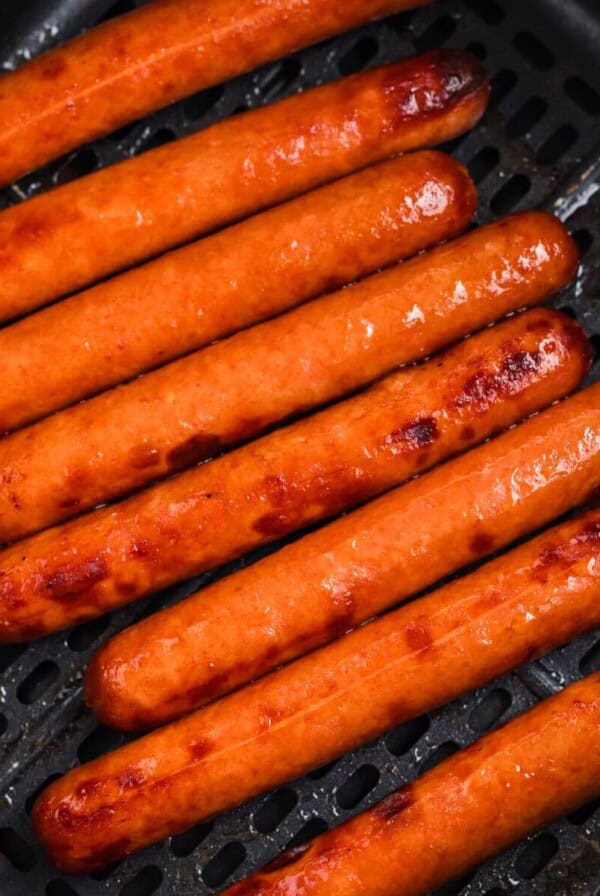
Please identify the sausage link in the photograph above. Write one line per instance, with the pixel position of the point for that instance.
(129, 212)
(185, 412)
(311, 591)
(237, 277)
(301, 717)
(189, 410)
(289, 479)
(136, 63)
(507, 785)
(328, 582)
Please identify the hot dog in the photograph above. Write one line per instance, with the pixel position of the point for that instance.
(134, 64)
(251, 271)
(507, 785)
(124, 214)
(305, 715)
(332, 580)
(295, 476)
(189, 410)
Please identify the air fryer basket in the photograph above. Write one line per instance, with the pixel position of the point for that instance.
(539, 145)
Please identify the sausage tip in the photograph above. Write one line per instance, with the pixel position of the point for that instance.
(461, 73)
(448, 78)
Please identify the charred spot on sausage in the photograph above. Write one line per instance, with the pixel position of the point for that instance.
(200, 748)
(287, 857)
(395, 804)
(193, 450)
(419, 433)
(481, 543)
(75, 578)
(418, 636)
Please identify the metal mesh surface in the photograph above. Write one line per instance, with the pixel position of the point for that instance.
(539, 145)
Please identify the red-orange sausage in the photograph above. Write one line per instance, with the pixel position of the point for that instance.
(512, 782)
(122, 215)
(242, 275)
(132, 65)
(190, 409)
(187, 411)
(295, 476)
(349, 692)
(332, 580)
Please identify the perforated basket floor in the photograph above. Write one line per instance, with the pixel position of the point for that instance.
(538, 146)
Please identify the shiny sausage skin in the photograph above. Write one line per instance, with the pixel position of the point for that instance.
(134, 64)
(289, 479)
(332, 580)
(301, 717)
(237, 277)
(127, 213)
(188, 411)
(543, 765)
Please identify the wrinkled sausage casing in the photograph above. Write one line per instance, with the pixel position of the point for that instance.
(303, 716)
(134, 64)
(289, 479)
(242, 275)
(132, 211)
(330, 581)
(188, 411)
(507, 785)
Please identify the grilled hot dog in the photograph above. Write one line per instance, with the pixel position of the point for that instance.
(191, 409)
(246, 273)
(305, 715)
(309, 471)
(124, 214)
(136, 63)
(540, 766)
(332, 580)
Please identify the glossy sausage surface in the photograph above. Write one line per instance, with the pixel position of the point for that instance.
(312, 591)
(304, 716)
(289, 479)
(242, 275)
(129, 66)
(129, 212)
(484, 798)
(190, 410)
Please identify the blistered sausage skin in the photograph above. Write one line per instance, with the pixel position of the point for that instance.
(130, 66)
(309, 713)
(543, 765)
(309, 471)
(242, 275)
(189, 410)
(132, 211)
(312, 591)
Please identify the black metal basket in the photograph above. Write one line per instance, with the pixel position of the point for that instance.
(539, 145)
